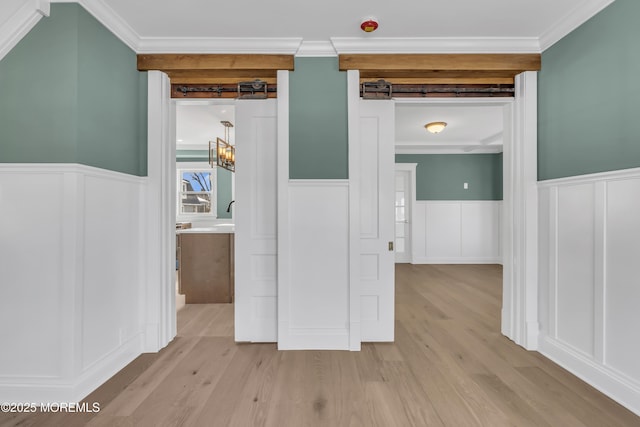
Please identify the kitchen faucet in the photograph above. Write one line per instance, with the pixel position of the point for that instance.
(229, 207)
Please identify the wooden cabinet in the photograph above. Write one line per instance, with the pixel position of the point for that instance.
(206, 267)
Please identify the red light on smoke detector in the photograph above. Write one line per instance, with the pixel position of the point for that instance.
(369, 25)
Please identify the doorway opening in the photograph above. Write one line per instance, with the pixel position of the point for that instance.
(517, 232)
(454, 214)
(204, 206)
(519, 219)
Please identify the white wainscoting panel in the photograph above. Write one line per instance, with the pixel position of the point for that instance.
(70, 253)
(589, 270)
(575, 308)
(318, 310)
(480, 231)
(443, 231)
(456, 232)
(32, 265)
(110, 270)
(622, 280)
(419, 233)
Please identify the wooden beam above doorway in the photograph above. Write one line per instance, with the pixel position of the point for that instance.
(216, 68)
(441, 68)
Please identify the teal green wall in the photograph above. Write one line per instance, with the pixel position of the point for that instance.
(70, 93)
(224, 193)
(441, 176)
(224, 185)
(588, 91)
(38, 92)
(318, 135)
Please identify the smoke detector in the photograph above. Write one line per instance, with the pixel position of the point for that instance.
(369, 25)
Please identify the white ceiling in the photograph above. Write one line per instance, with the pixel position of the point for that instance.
(197, 123)
(329, 26)
(322, 20)
(475, 128)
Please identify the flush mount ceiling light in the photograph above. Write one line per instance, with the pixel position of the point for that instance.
(435, 127)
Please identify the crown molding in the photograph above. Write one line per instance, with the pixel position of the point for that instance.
(352, 45)
(112, 21)
(121, 29)
(316, 48)
(43, 7)
(572, 20)
(219, 45)
(20, 23)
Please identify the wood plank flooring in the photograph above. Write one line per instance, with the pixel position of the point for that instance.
(449, 366)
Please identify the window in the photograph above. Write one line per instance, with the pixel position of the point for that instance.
(196, 195)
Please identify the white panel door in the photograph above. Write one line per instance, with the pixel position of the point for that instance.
(376, 181)
(256, 219)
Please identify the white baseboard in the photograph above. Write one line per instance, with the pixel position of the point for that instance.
(151, 342)
(616, 385)
(98, 373)
(57, 390)
(532, 335)
(315, 339)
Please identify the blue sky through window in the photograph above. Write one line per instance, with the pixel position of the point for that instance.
(199, 181)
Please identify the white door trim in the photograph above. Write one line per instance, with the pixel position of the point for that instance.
(411, 168)
(525, 327)
(284, 251)
(159, 305)
(353, 101)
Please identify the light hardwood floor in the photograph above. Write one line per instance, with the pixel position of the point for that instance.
(449, 366)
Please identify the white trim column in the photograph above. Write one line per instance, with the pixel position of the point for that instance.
(159, 241)
(353, 100)
(520, 299)
(284, 252)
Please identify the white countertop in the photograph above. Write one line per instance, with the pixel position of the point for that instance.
(222, 228)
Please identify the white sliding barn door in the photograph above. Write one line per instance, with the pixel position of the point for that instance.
(256, 220)
(376, 181)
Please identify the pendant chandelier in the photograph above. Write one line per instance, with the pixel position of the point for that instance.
(225, 153)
